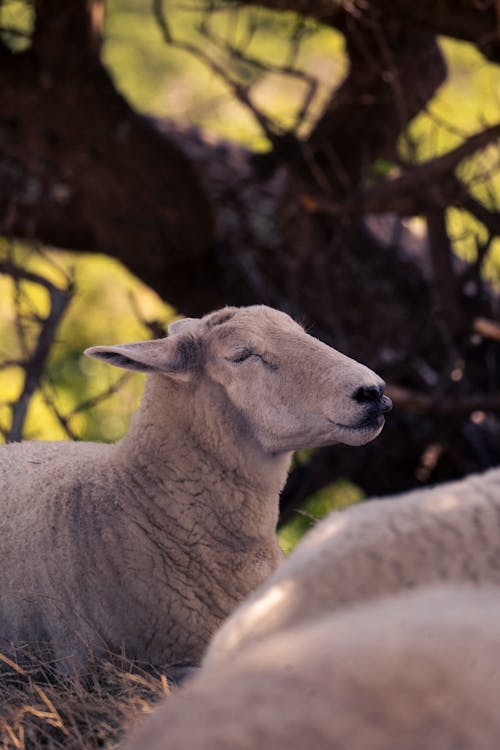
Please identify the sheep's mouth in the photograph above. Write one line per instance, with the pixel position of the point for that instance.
(363, 431)
(370, 422)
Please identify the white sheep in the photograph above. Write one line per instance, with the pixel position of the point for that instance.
(447, 533)
(148, 544)
(416, 671)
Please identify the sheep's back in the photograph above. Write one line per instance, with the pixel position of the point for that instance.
(412, 671)
(447, 533)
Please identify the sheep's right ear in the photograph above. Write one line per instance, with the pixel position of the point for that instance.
(177, 358)
(180, 325)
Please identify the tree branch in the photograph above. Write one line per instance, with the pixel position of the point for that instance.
(472, 21)
(35, 364)
(429, 185)
(289, 70)
(90, 403)
(240, 92)
(393, 73)
(423, 403)
(490, 219)
(69, 177)
(445, 287)
(78, 21)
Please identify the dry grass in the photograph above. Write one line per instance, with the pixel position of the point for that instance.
(39, 709)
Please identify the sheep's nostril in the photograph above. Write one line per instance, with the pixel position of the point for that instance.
(385, 404)
(371, 394)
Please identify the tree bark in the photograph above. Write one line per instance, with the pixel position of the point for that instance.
(393, 73)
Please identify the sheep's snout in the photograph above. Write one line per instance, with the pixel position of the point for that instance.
(363, 413)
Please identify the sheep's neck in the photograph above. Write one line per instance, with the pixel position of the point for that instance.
(200, 466)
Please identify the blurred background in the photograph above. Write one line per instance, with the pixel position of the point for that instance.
(339, 161)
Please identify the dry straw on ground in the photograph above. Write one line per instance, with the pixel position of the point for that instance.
(39, 709)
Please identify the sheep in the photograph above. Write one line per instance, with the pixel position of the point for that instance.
(412, 671)
(146, 545)
(447, 533)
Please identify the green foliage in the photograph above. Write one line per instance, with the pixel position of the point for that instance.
(16, 23)
(169, 82)
(467, 102)
(103, 310)
(335, 496)
(381, 168)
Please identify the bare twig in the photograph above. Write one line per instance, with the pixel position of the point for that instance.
(268, 127)
(90, 403)
(8, 268)
(288, 69)
(445, 288)
(156, 328)
(391, 73)
(490, 219)
(11, 363)
(34, 363)
(63, 421)
(13, 31)
(471, 279)
(423, 403)
(488, 329)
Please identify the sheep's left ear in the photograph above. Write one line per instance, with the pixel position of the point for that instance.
(178, 358)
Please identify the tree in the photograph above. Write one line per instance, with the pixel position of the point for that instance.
(314, 225)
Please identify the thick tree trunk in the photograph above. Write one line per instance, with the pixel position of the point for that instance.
(80, 169)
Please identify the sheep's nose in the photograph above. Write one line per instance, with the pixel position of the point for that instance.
(368, 394)
(374, 395)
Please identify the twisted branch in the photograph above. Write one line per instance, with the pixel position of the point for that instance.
(34, 364)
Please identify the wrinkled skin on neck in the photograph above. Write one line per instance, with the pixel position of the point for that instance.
(206, 443)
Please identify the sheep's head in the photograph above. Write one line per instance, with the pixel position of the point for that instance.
(290, 390)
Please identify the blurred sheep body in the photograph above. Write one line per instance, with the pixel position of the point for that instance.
(148, 544)
(450, 532)
(416, 670)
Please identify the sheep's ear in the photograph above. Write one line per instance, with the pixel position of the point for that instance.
(179, 359)
(179, 325)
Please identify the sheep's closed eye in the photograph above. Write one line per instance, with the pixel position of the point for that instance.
(242, 355)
